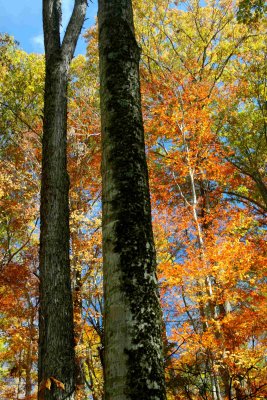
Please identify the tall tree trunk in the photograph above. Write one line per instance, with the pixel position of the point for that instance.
(133, 321)
(56, 339)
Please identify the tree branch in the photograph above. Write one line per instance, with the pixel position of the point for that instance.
(51, 25)
(248, 199)
(74, 28)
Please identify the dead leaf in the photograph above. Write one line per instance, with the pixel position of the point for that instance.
(58, 383)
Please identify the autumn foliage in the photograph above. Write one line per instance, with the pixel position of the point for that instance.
(204, 93)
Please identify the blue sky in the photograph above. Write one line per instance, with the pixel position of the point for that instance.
(23, 20)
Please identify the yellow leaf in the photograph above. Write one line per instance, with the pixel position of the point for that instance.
(45, 385)
(48, 384)
(58, 383)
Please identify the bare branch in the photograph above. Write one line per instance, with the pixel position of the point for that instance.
(74, 28)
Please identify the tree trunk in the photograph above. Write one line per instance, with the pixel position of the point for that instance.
(133, 321)
(28, 358)
(78, 328)
(56, 338)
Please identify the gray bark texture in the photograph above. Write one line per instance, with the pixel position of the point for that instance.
(56, 337)
(133, 320)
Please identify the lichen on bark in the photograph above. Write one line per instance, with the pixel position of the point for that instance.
(133, 343)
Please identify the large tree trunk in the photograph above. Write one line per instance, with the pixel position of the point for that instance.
(132, 328)
(56, 341)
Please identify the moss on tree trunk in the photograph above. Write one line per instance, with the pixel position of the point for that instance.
(133, 321)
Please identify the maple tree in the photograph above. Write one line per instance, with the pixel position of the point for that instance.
(181, 130)
(184, 138)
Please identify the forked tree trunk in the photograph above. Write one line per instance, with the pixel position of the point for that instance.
(133, 326)
(56, 339)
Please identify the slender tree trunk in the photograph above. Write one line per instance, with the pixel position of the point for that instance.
(28, 361)
(56, 338)
(133, 326)
(28, 378)
(78, 328)
(209, 310)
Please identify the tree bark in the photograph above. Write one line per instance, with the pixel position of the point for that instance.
(133, 321)
(56, 338)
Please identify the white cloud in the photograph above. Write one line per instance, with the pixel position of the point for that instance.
(38, 41)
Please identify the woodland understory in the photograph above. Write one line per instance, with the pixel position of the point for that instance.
(203, 77)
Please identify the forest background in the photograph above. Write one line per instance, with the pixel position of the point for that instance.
(203, 73)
